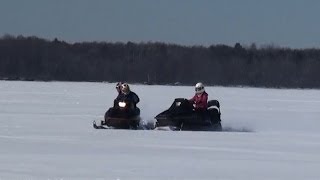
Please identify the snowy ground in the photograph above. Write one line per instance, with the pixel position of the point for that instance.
(46, 133)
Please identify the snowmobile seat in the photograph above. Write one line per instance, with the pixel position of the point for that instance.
(214, 103)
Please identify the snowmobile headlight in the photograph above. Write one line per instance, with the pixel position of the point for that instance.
(122, 104)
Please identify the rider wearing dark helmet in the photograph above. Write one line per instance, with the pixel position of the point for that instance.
(128, 96)
(118, 88)
(125, 103)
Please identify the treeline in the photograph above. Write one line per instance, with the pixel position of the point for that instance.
(32, 58)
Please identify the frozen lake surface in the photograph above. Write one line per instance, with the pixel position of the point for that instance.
(46, 133)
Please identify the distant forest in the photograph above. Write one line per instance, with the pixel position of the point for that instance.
(33, 58)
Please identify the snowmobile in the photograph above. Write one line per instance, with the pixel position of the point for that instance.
(182, 116)
(123, 115)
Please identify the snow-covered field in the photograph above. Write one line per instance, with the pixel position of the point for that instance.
(46, 133)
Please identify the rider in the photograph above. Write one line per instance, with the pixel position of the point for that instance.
(125, 95)
(128, 96)
(200, 99)
(118, 87)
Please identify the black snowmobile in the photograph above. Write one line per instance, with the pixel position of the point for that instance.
(181, 116)
(122, 115)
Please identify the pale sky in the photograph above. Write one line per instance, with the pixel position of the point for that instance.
(286, 23)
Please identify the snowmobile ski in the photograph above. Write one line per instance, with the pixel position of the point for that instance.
(98, 126)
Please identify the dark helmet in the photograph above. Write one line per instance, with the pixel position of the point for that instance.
(118, 86)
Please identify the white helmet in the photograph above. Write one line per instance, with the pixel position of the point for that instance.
(199, 88)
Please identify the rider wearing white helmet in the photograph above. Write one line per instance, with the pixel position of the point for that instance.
(200, 99)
